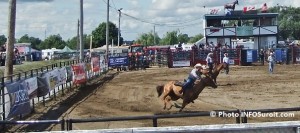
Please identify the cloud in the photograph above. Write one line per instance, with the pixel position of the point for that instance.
(29, 0)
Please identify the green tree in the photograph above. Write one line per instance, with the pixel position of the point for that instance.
(195, 38)
(183, 38)
(99, 34)
(170, 38)
(72, 43)
(147, 39)
(3, 39)
(53, 41)
(35, 42)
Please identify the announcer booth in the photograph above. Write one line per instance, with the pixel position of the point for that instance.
(244, 30)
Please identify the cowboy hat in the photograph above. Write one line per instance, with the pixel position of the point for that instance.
(197, 65)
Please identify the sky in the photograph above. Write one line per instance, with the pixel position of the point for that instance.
(42, 18)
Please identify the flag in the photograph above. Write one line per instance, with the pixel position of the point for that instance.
(214, 11)
(248, 8)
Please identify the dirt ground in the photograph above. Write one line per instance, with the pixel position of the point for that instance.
(134, 93)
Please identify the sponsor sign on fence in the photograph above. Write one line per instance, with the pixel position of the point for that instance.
(118, 61)
(19, 99)
(182, 63)
(79, 76)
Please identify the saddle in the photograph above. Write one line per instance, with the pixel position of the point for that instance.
(178, 83)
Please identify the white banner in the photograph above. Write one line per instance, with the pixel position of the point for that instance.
(231, 62)
(62, 76)
(31, 86)
(182, 63)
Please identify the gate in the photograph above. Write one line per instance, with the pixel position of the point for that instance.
(296, 55)
(181, 59)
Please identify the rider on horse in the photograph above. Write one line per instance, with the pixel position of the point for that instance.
(193, 76)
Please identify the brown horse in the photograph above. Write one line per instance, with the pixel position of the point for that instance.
(217, 69)
(170, 92)
(231, 5)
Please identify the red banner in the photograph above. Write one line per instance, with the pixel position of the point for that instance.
(79, 75)
(95, 64)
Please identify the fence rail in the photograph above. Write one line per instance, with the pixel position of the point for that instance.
(68, 123)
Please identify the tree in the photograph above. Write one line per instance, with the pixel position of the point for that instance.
(195, 38)
(53, 41)
(147, 39)
(72, 43)
(183, 38)
(99, 34)
(35, 42)
(3, 39)
(170, 38)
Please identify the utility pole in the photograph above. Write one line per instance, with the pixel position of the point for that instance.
(107, 31)
(81, 31)
(78, 40)
(10, 39)
(154, 35)
(45, 34)
(119, 29)
(91, 45)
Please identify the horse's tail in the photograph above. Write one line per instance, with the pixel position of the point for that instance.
(159, 89)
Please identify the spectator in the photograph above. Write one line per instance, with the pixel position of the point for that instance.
(262, 57)
(271, 61)
(209, 61)
(226, 60)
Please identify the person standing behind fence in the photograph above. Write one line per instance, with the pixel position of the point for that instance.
(209, 61)
(226, 60)
(271, 61)
(262, 57)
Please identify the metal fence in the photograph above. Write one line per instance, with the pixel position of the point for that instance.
(67, 124)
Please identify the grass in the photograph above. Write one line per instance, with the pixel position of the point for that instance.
(27, 66)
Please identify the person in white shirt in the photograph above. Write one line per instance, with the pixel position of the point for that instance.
(271, 61)
(226, 60)
(209, 61)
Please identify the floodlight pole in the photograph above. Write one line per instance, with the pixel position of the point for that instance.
(119, 30)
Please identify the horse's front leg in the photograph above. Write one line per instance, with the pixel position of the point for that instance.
(183, 105)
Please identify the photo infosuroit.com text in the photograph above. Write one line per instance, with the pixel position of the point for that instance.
(250, 114)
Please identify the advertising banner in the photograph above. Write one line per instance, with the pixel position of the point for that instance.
(118, 61)
(79, 74)
(95, 61)
(43, 85)
(69, 73)
(182, 63)
(19, 99)
(31, 85)
(244, 31)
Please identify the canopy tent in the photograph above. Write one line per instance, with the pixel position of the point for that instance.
(66, 49)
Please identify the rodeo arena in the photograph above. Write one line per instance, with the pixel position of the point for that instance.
(133, 89)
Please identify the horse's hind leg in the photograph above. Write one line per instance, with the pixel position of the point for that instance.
(164, 99)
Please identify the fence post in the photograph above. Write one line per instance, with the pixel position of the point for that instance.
(63, 125)
(238, 119)
(70, 124)
(3, 98)
(154, 121)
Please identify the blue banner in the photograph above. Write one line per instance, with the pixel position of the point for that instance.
(118, 61)
(249, 56)
(19, 99)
